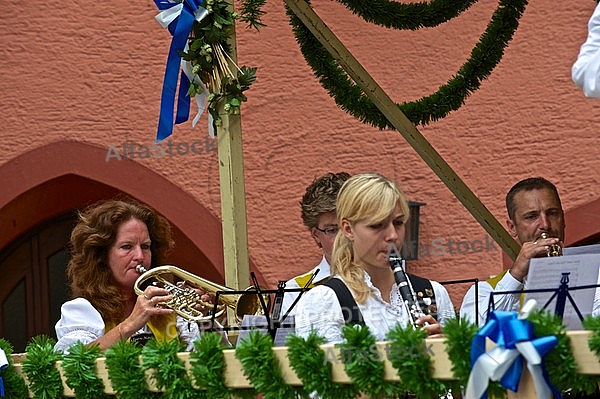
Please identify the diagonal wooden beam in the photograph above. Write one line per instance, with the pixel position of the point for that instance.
(408, 130)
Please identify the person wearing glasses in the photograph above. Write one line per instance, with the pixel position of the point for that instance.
(319, 217)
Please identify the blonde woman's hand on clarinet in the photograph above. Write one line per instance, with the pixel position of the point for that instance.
(429, 324)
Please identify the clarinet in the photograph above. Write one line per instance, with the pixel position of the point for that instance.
(406, 290)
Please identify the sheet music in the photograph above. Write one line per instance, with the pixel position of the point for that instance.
(547, 273)
(584, 249)
(260, 323)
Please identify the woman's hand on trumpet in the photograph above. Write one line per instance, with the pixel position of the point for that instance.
(146, 306)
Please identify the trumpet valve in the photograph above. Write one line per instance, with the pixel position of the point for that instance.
(553, 249)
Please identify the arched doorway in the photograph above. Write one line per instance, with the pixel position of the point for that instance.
(34, 283)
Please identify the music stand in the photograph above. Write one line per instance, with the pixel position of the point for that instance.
(468, 280)
(270, 323)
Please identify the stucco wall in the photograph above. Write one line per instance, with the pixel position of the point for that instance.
(92, 73)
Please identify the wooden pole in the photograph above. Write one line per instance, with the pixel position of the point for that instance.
(233, 195)
(397, 118)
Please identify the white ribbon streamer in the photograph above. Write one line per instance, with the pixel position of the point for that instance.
(165, 18)
(494, 363)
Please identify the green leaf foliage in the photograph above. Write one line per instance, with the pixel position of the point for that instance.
(409, 355)
(14, 385)
(125, 372)
(168, 370)
(363, 364)
(451, 96)
(560, 363)
(208, 367)
(40, 368)
(79, 366)
(313, 367)
(255, 353)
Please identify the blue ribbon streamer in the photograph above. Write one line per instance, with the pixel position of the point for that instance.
(506, 330)
(180, 28)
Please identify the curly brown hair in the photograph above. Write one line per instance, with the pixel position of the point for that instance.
(320, 197)
(96, 230)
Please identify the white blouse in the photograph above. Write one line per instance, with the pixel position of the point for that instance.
(320, 310)
(81, 322)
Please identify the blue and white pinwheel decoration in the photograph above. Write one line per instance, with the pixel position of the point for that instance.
(516, 345)
(179, 18)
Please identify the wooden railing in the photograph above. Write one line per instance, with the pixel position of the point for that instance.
(234, 377)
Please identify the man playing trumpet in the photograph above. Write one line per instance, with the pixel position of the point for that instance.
(534, 211)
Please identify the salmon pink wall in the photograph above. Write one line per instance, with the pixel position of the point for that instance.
(90, 73)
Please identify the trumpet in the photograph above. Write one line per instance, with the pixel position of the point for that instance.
(186, 301)
(554, 249)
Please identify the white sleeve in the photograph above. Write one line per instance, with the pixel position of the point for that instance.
(79, 322)
(586, 69)
(508, 302)
(289, 298)
(188, 332)
(320, 310)
(445, 308)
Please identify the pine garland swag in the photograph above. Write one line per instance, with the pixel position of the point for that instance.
(40, 369)
(449, 97)
(14, 384)
(255, 353)
(311, 365)
(459, 333)
(409, 355)
(560, 362)
(168, 370)
(363, 365)
(125, 372)
(79, 366)
(208, 366)
(413, 16)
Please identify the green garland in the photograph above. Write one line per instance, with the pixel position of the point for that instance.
(14, 385)
(208, 366)
(40, 368)
(593, 324)
(311, 365)
(125, 372)
(168, 370)
(79, 366)
(255, 353)
(459, 334)
(412, 16)
(409, 355)
(252, 13)
(362, 361)
(363, 365)
(449, 97)
(560, 363)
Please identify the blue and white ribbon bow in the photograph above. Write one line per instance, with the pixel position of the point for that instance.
(515, 345)
(179, 18)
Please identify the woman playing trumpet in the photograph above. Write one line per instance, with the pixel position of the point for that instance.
(109, 241)
(372, 214)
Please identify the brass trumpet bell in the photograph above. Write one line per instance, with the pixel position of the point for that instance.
(187, 302)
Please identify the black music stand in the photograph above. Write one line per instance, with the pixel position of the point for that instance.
(274, 320)
(468, 280)
(561, 293)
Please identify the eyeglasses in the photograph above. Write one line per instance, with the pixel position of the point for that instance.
(330, 231)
